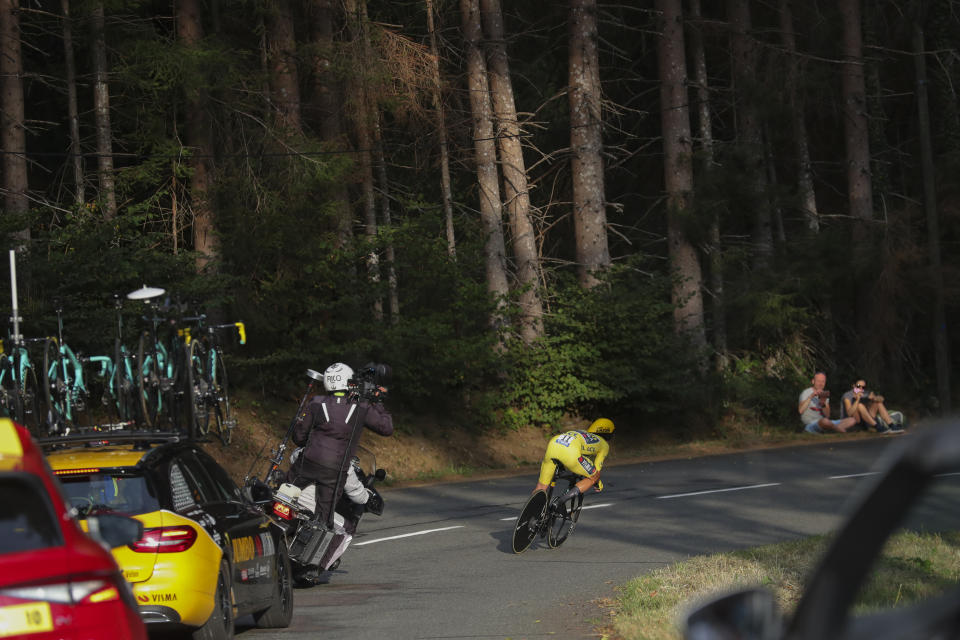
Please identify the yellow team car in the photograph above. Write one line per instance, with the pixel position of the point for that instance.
(208, 554)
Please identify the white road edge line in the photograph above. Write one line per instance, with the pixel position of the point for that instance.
(853, 475)
(592, 506)
(406, 535)
(700, 493)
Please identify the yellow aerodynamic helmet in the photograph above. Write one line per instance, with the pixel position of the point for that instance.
(602, 426)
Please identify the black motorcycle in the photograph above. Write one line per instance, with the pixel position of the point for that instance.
(314, 547)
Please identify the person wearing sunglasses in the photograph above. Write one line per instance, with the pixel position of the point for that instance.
(867, 408)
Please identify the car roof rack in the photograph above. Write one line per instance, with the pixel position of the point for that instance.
(95, 437)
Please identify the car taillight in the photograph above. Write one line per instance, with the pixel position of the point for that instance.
(74, 591)
(283, 510)
(166, 540)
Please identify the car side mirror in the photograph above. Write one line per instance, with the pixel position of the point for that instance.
(751, 614)
(113, 529)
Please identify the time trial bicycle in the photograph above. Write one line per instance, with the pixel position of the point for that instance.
(160, 366)
(19, 392)
(65, 390)
(547, 516)
(207, 382)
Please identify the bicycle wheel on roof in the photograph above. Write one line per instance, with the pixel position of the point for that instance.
(198, 389)
(148, 380)
(220, 397)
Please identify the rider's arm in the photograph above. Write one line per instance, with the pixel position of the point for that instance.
(379, 420)
(354, 488)
(601, 454)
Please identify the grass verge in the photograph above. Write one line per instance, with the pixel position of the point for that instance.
(913, 566)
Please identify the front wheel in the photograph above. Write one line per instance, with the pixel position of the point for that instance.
(563, 518)
(220, 390)
(54, 387)
(148, 370)
(123, 385)
(528, 524)
(28, 403)
(197, 390)
(219, 625)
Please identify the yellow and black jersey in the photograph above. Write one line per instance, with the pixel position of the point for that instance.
(579, 451)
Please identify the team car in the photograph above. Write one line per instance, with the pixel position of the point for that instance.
(56, 581)
(207, 554)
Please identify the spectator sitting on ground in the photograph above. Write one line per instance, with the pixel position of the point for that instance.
(867, 407)
(814, 409)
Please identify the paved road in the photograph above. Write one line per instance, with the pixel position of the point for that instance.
(438, 563)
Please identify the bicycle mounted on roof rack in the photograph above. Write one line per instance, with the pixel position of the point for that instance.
(171, 382)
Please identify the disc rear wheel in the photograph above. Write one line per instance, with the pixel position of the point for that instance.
(528, 524)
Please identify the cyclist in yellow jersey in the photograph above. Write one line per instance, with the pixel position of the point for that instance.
(574, 450)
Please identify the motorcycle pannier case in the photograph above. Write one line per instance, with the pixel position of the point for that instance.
(310, 544)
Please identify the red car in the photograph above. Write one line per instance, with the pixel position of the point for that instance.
(55, 580)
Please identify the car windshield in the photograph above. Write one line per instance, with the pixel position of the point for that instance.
(27, 521)
(128, 494)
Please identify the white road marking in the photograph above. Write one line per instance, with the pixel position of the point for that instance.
(700, 493)
(853, 475)
(597, 506)
(591, 506)
(406, 535)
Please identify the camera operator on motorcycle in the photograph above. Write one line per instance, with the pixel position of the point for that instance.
(328, 430)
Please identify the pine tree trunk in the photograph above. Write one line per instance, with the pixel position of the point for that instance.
(485, 156)
(327, 98)
(190, 33)
(856, 130)
(437, 97)
(586, 143)
(76, 153)
(13, 139)
(713, 248)
(805, 190)
(744, 56)
(101, 108)
(678, 177)
(284, 77)
(941, 343)
(516, 191)
(389, 252)
(363, 125)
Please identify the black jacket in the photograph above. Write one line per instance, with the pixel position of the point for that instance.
(324, 428)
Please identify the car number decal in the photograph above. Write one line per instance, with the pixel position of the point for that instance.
(33, 617)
